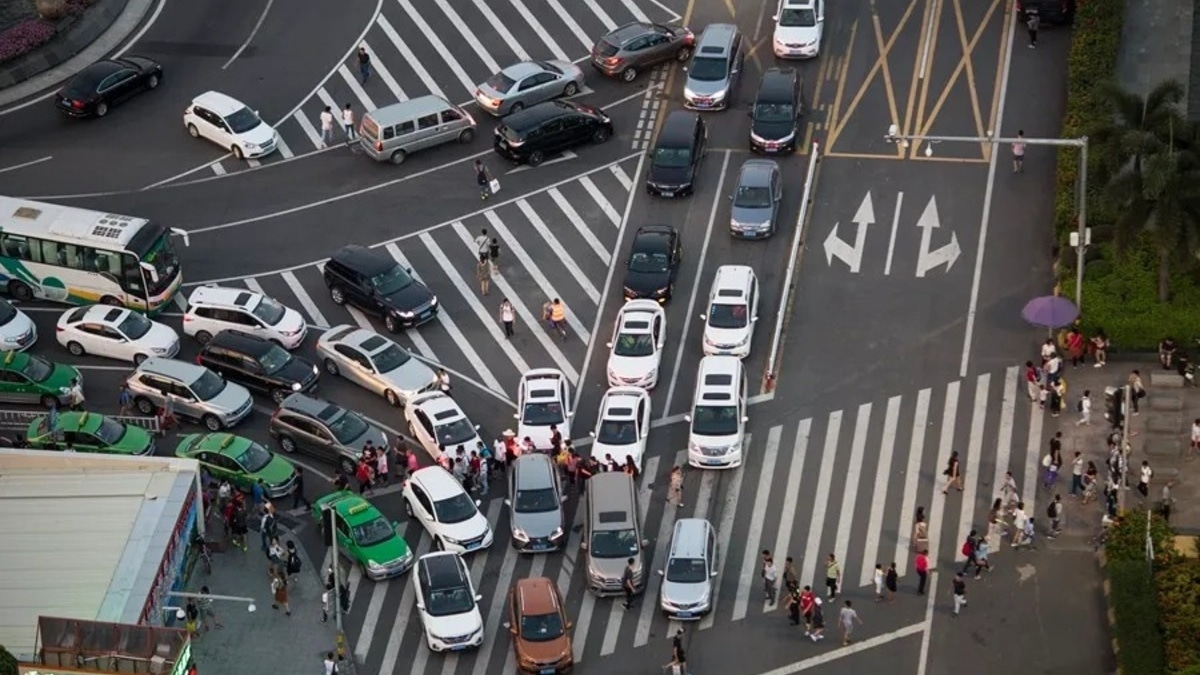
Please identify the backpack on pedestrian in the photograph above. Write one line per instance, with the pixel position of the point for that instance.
(967, 548)
(294, 564)
(1050, 510)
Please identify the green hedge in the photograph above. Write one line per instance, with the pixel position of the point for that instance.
(1127, 539)
(1179, 606)
(1138, 631)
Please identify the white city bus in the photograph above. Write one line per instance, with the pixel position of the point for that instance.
(77, 256)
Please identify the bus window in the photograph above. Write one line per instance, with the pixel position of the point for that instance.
(15, 247)
(131, 277)
(107, 262)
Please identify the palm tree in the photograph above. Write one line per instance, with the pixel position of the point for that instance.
(1139, 127)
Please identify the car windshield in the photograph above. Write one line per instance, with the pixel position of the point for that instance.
(456, 509)
(7, 312)
(269, 311)
(243, 120)
(458, 432)
(254, 458)
(752, 197)
(134, 325)
(774, 112)
(715, 420)
(708, 69)
(276, 357)
(617, 432)
(391, 281)
(614, 543)
(541, 627)
(448, 601)
(727, 316)
(208, 386)
(348, 427)
(110, 431)
(542, 414)
(374, 532)
(672, 158)
(37, 369)
(640, 261)
(536, 501)
(634, 344)
(686, 570)
(798, 18)
(500, 82)
(390, 358)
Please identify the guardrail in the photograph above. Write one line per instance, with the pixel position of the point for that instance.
(20, 419)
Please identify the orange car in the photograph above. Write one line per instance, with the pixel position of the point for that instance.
(539, 626)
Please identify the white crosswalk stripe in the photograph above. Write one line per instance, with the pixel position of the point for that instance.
(539, 29)
(351, 81)
(438, 46)
(468, 36)
(310, 307)
(410, 59)
(379, 68)
(502, 30)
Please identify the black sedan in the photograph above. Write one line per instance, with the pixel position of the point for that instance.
(653, 262)
(104, 84)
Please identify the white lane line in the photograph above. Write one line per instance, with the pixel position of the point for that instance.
(635, 11)
(513, 43)
(23, 165)
(253, 285)
(758, 516)
(887, 266)
(563, 257)
(622, 177)
(302, 296)
(601, 200)
(366, 634)
(354, 579)
(724, 534)
(309, 130)
(912, 480)
(1032, 458)
(812, 550)
(945, 446)
(218, 169)
(1008, 413)
(352, 81)
(852, 478)
(791, 492)
(540, 30)
(580, 227)
(481, 313)
(883, 472)
(661, 541)
(253, 163)
(601, 14)
(180, 302)
(284, 150)
(708, 481)
(478, 563)
(413, 334)
(432, 37)
(587, 607)
(378, 68)
(469, 37)
(566, 18)
(404, 613)
(974, 455)
(410, 58)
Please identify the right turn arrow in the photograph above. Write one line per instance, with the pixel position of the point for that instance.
(944, 255)
(835, 247)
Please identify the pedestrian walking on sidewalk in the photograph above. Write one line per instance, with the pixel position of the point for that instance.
(1018, 152)
(381, 466)
(1143, 486)
(1100, 348)
(816, 623)
(483, 274)
(847, 618)
(481, 245)
(833, 577)
(507, 316)
(1055, 513)
(790, 581)
(769, 576)
(808, 602)
(1019, 520)
(1032, 23)
(877, 579)
(921, 565)
(1033, 385)
(329, 663)
(364, 64)
(959, 585)
(1085, 408)
(494, 255)
(483, 178)
(327, 126)
(969, 548)
(1053, 461)
(891, 581)
(1139, 390)
(348, 123)
(191, 617)
(1195, 446)
(982, 548)
(953, 473)
(1077, 474)
(279, 593)
(207, 613)
(1009, 492)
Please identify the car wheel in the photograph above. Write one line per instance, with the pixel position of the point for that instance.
(193, 131)
(683, 54)
(212, 423)
(392, 399)
(466, 135)
(203, 337)
(408, 509)
(139, 358)
(391, 324)
(348, 467)
(288, 445)
(153, 82)
(536, 158)
(602, 134)
(20, 290)
(629, 74)
(331, 367)
(145, 405)
(101, 109)
(516, 107)
(571, 89)
(337, 295)
(278, 395)
(75, 348)
(49, 401)
(398, 157)
(237, 151)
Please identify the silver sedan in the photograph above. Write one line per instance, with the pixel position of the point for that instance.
(375, 363)
(756, 198)
(526, 83)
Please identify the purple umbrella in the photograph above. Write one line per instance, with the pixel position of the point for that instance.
(1050, 311)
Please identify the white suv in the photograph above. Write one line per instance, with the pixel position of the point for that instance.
(718, 416)
(438, 501)
(799, 25)
(732, 312)
(447, 603)
(212, 309)
(231, 124)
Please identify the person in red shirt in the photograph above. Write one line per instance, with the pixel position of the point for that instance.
(922, 566)
(808, 600)
(363, 474)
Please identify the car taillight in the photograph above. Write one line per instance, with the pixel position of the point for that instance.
(198, 360)
(690, 38)
(78, 105)
(496, 103)
(59, 329)
(187, 318)
(378, 146)
(612, 61)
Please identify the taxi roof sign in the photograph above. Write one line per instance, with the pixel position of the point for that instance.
(229, 438)
(8, 357)
(358, 508)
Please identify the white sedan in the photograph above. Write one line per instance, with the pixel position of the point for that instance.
(543, 404)
(623, 425)
(115, 333)
(17, 330)
(437, 423)
(375, 363)
(637, 344)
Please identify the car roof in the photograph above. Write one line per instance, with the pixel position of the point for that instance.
(717, 376)
(219, 103)
(436, 481)
(351, 505)
(223, 296)
(222, 443)
(100, 70)
(689, 538)
(535, 115)
(534, 472)
(538, 379)
(797, 4)
(731, 278)
(637, 321)
(623, 35)
(103, 313)
(757, 173)
(523, 69)
(434, 402)
(619, 399)
(442, 569)
(537, 596)
(365, 260)
(238, 341)
(679, 128)
(308, 405)
(172, 368)
(653, 239)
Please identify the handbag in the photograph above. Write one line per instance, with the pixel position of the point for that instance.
(1046, 461)
(494, 185)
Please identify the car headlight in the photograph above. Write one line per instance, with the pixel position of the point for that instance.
(708, 341)
(159, 350)
(295, 386)
(629, 291)
(405, 315)
(451, 540)
(374, 566)
(718, 96)
(520, 534)
(250, 146)
(661, 292)
(736, 447)
(558, 532)
(744, 340)
(688, 93)
(693, 446)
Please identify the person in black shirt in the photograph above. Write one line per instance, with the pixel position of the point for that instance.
(678, 655)
(627, 583)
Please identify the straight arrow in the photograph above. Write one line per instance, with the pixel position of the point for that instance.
(943, 255)
(835, 247)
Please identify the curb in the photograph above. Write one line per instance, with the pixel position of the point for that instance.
(73, 35)
(1110, 613)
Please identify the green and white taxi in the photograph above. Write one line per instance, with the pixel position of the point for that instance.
(89, 432)
(365, 535)
(240, 461)
(25, 378)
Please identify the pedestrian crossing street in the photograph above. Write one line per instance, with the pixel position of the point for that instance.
(447, 47)
(845, 481)
(557, 242)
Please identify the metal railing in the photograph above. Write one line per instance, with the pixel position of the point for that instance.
(20, 420)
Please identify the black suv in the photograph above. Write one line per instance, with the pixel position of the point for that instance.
(546, 129)
(653, 262)
(775, 117)
(325, 430)
(373, 281)
(675, 158)
(258, 363)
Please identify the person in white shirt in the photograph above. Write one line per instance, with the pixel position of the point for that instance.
(1048, 350)
(1085, 408)
(1077, 474)
(1019, 522)
(1196, 435)
(330, 665)
(348, 122)
(508, 316)
(327, 126)
(1144, 481)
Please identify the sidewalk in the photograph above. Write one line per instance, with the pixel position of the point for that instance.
(265, 641)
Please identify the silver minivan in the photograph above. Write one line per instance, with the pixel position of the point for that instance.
(687, 586)
(713, 73)
(194, 392)
(613, 534)
(392, 133)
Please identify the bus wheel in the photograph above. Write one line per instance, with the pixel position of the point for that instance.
(110, 300)
(20, 290)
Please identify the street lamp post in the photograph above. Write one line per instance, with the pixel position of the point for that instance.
(1082, 236)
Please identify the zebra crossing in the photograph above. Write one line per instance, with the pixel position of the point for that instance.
(842, 481)
(446, 48)
(557, 242)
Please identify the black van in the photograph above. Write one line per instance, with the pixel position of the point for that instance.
(675, 158)
(547, 129)
(778, 107)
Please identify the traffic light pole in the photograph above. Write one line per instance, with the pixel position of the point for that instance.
(335, 568)
(1127, 396)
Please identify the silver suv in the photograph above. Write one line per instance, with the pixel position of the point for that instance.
(535, 497)
(195, 393)
(687, 587)
(712, 75)
(325, 430)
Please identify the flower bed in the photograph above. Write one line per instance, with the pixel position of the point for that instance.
(32, 33)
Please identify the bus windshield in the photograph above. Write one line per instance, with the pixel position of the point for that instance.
(160, 253)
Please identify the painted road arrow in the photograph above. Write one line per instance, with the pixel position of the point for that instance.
(944, 255)
(835, 247)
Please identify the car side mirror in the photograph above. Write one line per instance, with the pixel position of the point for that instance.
(645, 542)
(516, 416)
(508, 502)
(685, 69)
(478, 597)
(608, 345)
(754, 319)
(396, 524)
(687, 418)
(661, 573)
(563, 499)
(421, 606)
(476, 427)
(775, 17)
(570, 625)
(592, 434)
(714, 575)
(479, 502)
(745, 418)
(571, 413)
(703, 317)
(583, 545)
